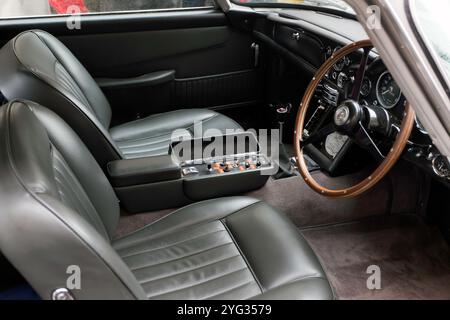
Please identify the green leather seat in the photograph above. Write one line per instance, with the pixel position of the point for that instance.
(59, 210)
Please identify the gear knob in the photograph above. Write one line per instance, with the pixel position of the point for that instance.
(283, 111)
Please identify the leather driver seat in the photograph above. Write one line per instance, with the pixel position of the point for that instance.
(59, 211)
(37, 66)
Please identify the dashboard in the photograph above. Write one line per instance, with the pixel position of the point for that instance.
(307, 39)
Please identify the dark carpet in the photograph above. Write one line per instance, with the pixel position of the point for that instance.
(413, 258)
(397, 193)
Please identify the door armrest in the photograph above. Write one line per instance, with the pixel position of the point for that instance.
(146, 80)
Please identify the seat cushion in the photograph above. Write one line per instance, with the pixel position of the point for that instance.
(231, 248)
(151, 136)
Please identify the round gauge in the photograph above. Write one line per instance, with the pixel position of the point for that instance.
(441, 167)
(366, 87)
(388, 92)
(334, 143)
(341, 80)
(347, 61)
(339, 66)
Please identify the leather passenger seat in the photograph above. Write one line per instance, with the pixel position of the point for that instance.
(37, 66)
(59, 210)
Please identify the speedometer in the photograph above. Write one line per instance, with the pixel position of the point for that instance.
(388, 92)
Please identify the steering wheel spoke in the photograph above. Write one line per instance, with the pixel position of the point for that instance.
(363, 139)
(359, 77)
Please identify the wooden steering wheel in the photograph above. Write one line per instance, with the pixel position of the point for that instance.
(351, 119)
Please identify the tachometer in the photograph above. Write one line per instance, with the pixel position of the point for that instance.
(388, 92)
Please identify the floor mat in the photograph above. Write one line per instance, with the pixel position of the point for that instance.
(413, 258)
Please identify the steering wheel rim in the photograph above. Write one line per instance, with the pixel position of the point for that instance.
(388, 162)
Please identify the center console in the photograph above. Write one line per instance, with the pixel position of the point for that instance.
(194, 170)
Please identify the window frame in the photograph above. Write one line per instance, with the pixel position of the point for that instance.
(269, 5)
(109, 13)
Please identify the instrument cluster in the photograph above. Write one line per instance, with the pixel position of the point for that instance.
(378, 88)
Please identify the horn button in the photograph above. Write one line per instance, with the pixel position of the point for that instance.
(347, 116)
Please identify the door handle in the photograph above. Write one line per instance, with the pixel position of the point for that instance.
(255, 48)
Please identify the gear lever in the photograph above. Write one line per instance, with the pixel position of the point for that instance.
(286, 168)
(283, 112)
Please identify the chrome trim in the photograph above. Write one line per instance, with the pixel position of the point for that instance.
(341, 115)
(62, 294)
(373, 118)
(420, 127)
(436, 171)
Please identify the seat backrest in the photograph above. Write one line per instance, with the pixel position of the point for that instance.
(58, 209)
(37, 66)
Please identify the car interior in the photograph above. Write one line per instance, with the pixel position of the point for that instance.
(90, 175)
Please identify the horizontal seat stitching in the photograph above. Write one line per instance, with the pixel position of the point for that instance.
(155, 136)
(148, 143)
(231, 289)
(208, 264)
(182, 257)
(144, 154)
(198, 284)
(170, 245)
(143, 138)
(162, 134)
(146, 150)
(140, 241)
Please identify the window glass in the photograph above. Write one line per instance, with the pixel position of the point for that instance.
(431, 18)
(26, 8)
